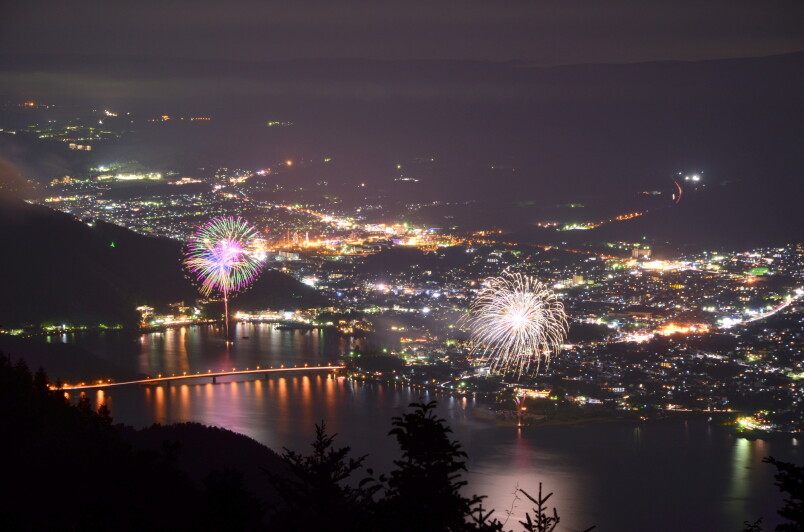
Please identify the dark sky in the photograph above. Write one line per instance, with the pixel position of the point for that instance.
(662, 86)
(542, 32)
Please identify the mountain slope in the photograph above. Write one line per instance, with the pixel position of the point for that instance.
(57, 269)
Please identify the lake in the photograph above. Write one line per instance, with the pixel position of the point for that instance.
(670, 475)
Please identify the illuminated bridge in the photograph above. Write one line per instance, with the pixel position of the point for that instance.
(209, 375)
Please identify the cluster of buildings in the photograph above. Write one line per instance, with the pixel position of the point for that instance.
(707, 332)
(711, 331)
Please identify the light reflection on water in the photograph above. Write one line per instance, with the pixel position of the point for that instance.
(740, 472)
(617, 476)
(679, 475)
(202, 348)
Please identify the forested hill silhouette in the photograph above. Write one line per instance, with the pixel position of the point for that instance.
(69, 467)
(58, 269)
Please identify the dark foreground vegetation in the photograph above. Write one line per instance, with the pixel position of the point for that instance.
(69, 467)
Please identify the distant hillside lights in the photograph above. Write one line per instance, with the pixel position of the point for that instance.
(640, 253)
(151, 176)
(66, 180)
(79, 147)
(185, 181)
(182, 315)
(168, 118)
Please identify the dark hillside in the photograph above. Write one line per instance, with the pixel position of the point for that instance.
(61, 270)
(57, 269)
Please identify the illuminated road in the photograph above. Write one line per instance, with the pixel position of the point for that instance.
(214, 375)
(644, 336)
(799, 292)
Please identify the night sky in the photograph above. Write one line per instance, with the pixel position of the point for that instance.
(580, 97)
(366, 50)
(544, 33)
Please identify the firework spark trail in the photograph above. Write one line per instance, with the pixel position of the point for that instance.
(515, 320)
(218, 256)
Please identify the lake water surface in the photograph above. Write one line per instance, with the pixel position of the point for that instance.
(673, 475)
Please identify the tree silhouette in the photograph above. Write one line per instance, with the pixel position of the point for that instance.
(424, 491)
(756, 526)
(541, 521)
(229, 505)
(68, 467)
(314, 493)
(790, 479)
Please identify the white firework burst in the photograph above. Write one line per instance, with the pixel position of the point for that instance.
(517, 322)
